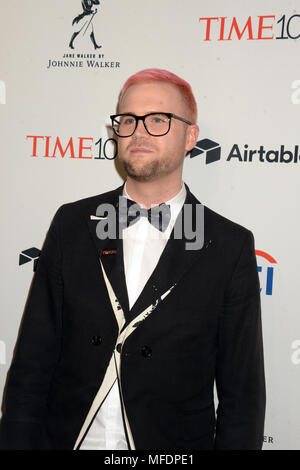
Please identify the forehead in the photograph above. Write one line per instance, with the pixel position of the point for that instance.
(152, 96)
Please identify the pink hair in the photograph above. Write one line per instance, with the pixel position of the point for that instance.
(168, 77)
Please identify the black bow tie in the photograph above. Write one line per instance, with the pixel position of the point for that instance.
(159, 216)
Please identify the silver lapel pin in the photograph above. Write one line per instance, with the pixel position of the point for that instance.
(96, 217)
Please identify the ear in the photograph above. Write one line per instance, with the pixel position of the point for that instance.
(191, 137)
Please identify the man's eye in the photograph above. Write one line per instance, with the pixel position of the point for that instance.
(158, 119)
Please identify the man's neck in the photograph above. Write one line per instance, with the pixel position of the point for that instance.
(152, 193)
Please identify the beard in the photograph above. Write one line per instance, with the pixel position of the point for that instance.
(147, 168)
(146, 172)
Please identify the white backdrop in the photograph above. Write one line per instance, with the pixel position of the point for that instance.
(243, 62)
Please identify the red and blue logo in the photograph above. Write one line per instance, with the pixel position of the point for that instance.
(267, 271)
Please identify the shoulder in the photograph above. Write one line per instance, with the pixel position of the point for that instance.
(74, 212)
(232, 240)
(218, 225)
(221, 225)
(224, 233)
(92, 201)
(81, 205)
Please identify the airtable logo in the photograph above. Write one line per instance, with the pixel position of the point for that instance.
(212, 152)
(281, 155)
(211, 149)
(254, 28)
(31, 254)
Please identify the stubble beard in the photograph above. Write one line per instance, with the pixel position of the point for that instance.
(147, 172)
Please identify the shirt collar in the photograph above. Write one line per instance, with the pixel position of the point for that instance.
(177, 200)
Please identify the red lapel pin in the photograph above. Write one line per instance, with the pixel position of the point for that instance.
(108, 252)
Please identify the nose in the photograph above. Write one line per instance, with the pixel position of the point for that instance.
(140, 129)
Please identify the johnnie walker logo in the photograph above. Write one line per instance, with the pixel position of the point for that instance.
(85, 41)
(83, 23)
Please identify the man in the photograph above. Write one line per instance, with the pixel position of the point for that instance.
(124, 336)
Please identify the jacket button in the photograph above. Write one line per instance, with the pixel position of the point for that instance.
(119, 347)
(96, 340)
(146, 351)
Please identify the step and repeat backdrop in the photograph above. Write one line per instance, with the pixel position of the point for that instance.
(60, 76)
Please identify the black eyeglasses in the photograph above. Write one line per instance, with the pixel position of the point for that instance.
(156, 124)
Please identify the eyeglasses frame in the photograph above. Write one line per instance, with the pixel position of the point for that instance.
(142, 118)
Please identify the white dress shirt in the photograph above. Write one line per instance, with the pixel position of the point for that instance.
(143, 245)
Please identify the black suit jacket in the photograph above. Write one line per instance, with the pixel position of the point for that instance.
(207, 329)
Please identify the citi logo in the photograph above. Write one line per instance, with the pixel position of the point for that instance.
(266, 270)
(31, 254)
(254, 28)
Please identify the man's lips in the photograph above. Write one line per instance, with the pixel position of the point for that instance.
(140, 150)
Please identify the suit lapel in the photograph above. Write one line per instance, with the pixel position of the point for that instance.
(110, 250)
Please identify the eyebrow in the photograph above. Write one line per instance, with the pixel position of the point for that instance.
(149, 112)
